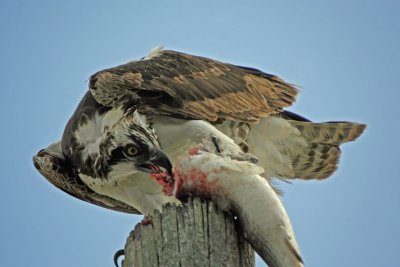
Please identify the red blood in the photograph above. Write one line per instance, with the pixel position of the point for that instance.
(165, 180)
(195, 183)
(146, 221)
(193, 151)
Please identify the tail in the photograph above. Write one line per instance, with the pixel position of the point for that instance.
(320, 158)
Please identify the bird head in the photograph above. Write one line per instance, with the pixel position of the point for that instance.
(131, 145)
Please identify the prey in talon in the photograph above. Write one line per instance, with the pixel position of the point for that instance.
(240, 156)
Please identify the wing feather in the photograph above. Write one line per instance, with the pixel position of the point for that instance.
(177, 84)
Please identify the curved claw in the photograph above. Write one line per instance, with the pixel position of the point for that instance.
(245, 157)
(217, 143)
(240, 157)
(118, 254)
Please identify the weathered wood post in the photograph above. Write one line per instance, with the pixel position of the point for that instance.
(195, 234)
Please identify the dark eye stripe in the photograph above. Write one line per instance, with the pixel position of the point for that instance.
(140, 144)
(117, 155)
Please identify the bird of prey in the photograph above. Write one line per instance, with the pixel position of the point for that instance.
(137, 118)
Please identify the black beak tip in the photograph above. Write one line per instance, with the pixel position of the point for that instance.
(162, 160)
(157, 161)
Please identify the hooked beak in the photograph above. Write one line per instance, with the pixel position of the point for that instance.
(157, 159)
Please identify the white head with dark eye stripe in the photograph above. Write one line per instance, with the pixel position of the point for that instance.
(133, 144)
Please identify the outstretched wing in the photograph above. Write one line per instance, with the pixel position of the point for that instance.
(181, 85)
(51, 163)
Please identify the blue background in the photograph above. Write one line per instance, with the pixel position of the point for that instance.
(344, 55)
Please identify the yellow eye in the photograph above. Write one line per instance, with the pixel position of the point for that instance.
(131, 150)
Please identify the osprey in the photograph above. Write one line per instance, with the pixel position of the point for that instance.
(137, 118)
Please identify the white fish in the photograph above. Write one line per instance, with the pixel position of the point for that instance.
(237, 186)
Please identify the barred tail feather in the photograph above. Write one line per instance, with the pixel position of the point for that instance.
(318, 161)
(321, 157)
(291, 147)
(333, 133)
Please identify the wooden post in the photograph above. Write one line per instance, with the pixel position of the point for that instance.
(194, 234)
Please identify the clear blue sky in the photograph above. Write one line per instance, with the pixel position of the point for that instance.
(344, 54)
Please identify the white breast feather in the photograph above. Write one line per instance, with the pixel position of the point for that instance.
(273, 140)
(136, 189)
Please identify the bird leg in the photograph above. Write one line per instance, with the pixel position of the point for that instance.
(240, 156)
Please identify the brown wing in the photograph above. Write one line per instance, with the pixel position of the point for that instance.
(177, 84)
(51, 164)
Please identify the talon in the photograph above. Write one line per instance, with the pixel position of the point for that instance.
(118, 254)
(254, 159)
(245, 157)
(217, 143)
(240, 156)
